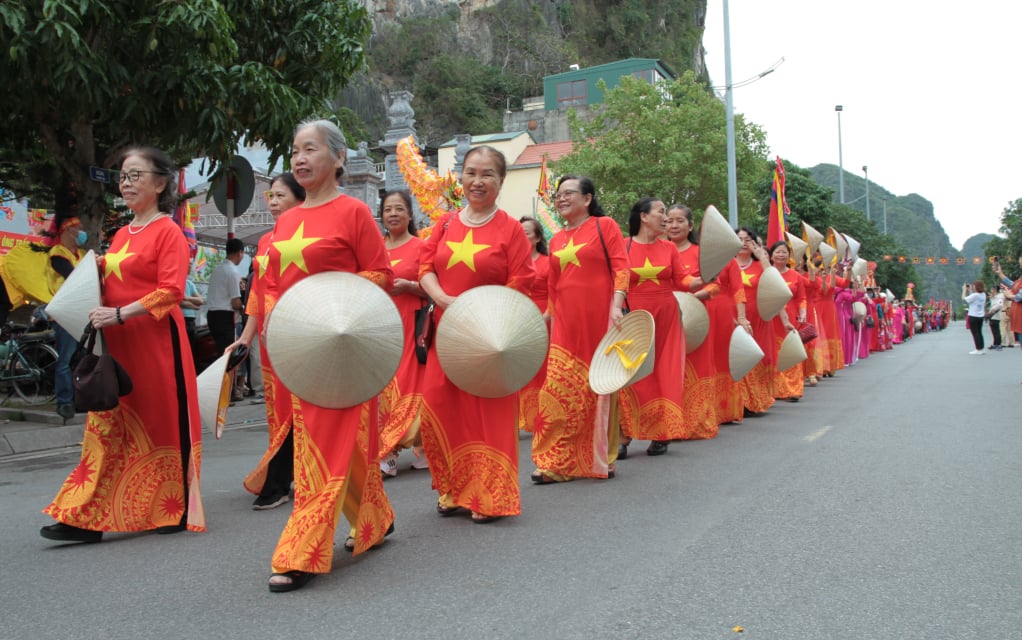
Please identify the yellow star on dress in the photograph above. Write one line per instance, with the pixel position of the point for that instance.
(648, 272)
(114, 260)
(568, 255)
(291, 249)
(393, 263)
(465, 252)
(747, 278)
(262, 262)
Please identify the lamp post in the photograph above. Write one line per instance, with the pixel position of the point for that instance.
(885, 216)
(840, 159)
(865, 170)
(729, 105)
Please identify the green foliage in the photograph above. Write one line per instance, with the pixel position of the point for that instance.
(666, 141)
(192, 76)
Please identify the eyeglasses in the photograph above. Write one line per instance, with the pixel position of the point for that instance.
(567, 193)
(132, 176)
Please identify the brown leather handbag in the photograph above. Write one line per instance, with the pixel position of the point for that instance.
(99, 381)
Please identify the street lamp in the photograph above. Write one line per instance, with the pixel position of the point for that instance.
(865, 170)
(885, 215)
(840, 159)
(729, 105)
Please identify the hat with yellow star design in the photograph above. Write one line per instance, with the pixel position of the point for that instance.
(214, 393)
(743, 354)
(335, 339)
(491, 341)
(772, 293)
(78, 295)
(624, 356)
(695, 321)
(718, 244)
(791, 353)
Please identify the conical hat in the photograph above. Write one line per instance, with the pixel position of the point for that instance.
(799, 247)
(718, 244)
(828, 253)
(491, 341)
(812, 237)
(860, 268)
(624, 356)
(743, 355)
(791, 353)
(836, 240)
(335, 339)
(859, 309)
(214, 395)
(853, 247)
(694, 320)
(772, 293)
(78, 295)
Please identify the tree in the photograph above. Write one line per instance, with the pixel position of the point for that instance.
(194, 77)
(667, 141)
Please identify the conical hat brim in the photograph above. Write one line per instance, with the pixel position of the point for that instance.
(491, 341)
(860, 267)
(791, 353)
(718, 244)
(837, 241)
(78, 295)
(813, 237)
(859, 309)
(853, 247)
(743, 354)
(214, 387)
(695, 321)
(772, 293)
(607, 374)
(335, 339)
(828, 253)
(798, 247)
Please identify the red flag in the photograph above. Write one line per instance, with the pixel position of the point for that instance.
(777, 225)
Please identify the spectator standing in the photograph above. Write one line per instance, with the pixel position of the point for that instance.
(996, 314)
(223, 299)
(975, 296)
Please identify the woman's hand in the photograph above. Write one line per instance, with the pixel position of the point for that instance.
(443, 300)
(616, 315)
(404, 286)
(102, 317)
(744, 323)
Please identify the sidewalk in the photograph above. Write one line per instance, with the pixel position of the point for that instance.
(26, 430)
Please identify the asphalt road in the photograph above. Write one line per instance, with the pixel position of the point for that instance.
(884, 505)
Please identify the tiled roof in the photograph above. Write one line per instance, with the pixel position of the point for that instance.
(533, 154)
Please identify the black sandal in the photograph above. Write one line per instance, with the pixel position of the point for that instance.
(447, 511)
(298, 580)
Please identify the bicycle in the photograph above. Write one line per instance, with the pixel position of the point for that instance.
(28, 363)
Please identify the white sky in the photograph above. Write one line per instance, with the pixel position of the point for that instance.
(930, 91)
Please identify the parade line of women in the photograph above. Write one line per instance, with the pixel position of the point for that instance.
(140, 464)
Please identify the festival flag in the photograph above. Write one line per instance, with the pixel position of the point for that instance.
(545, 206)
(777, 225)
(188, 228)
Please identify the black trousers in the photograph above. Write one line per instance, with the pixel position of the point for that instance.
(221, 327)
(976, 327)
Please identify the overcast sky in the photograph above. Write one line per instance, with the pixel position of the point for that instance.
(930, 93)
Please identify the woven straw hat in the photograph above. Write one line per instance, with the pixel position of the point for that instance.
(215, 395)
(853, 247)
(718, 244)
(836, 240)
(812, 237)
(695, 321)
(799, 247)
(791, 353)
(491, 341)
(859, 309)
(772, 293)
(78, 295)
(335, 339)
(743, 355)
(860, 268)
(828, 253)
(624, 356)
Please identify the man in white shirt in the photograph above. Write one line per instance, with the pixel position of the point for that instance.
(223, 296)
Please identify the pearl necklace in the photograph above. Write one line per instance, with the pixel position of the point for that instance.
(468, 222)
(571, 227)
(142, 228)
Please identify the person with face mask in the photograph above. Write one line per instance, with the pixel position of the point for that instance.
(68, 238)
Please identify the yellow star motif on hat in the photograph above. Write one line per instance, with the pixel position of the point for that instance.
(569, 254)
(291, 250)
(115, 258)
(747, 277)
(465, 252)
(648, 272)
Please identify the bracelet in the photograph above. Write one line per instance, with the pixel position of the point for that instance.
(120, 320)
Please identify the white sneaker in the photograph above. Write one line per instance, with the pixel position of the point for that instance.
(420, 458)
(389, 465)
(976, 352)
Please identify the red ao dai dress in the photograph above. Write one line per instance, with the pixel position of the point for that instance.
(790, 383)
(702, 386)
(759, 382)
(528, 397)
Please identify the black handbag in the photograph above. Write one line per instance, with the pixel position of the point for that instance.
(423, 331)
(99, 381)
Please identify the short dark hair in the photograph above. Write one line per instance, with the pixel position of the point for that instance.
(777, 245)
(404, 195)
(234, 245)
(164, 167)
(587, 188)
(289, 181)
(687, 212)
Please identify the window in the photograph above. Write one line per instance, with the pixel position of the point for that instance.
(571, 93)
